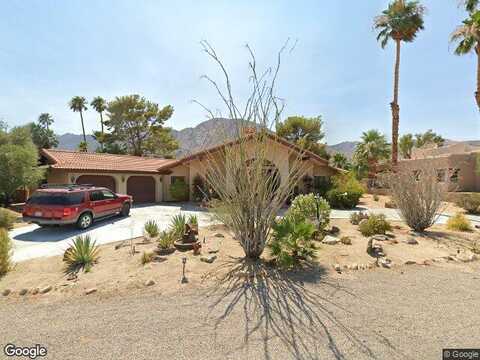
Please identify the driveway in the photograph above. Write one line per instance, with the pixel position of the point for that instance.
(32, 241)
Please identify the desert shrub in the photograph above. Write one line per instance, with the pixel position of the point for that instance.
(82, 254)
(376, 197)
(292, 242)
(310, 207)
(469, 202)
(418, 198)
(5, 252)
(346, 240)
(199, 189)
(356, 217)
(346, 192)
(147, 256)
(193, 220)
(151, 228)
(390, 204)
(459, 222)
(177, 225)
(375, 224)
(321, 185)
(179, 190)
(7, 218)
(166, 240)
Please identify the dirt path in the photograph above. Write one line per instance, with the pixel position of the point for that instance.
(399, 314)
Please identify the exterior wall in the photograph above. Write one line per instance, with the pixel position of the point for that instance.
(180, 170)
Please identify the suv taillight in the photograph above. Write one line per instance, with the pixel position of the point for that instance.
(69, 211)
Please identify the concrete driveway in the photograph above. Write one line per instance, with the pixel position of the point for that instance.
(32, 241)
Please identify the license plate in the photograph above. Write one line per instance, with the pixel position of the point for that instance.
(38, 214)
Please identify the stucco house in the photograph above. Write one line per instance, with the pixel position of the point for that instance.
(457, 165)
(149, 179)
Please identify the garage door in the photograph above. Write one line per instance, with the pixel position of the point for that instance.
(98, 180)
(142, 188)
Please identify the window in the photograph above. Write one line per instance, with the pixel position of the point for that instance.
(108, 195)
(48, 198)
(454, 175)
(96, 195)
(441, 174)
(175, 179)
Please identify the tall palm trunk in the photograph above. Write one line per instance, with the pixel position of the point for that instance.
(101, 124)
(477, 93)
(83, 128)
(395, 107)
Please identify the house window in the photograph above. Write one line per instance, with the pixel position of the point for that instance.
(441, 174)
(176, 179)
(454, 175)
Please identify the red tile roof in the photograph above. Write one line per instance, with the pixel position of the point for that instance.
(74, 160)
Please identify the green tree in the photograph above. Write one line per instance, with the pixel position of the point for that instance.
(340, 161)
(406, 145)
(42, 136)
(18, 163)
(372, 149)
(467, 37)
(428, 137)
(304, 132)
(100, 105)
(45, 120)
(138, 123)
(79, 104)
(401, 21)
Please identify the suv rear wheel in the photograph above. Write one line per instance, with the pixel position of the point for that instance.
(84, 221)
(125, 210)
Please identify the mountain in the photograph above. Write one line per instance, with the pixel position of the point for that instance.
(70, 141)
(346, 148)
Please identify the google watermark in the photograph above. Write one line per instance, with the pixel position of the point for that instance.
(461, 354)
(31, 352)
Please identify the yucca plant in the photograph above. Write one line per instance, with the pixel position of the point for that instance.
(151, 228)
(177, 226)
(166, 240)
(147, 256)
(83, 254)
(193, 220)
(5, 252)
(292, 242)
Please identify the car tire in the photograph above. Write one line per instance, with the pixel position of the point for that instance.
(125, 210)
(84, 221)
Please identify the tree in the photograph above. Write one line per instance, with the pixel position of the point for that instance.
(78, 104)
(471, 5)
(406, 144)
(304, 132)
(467, 36)
(100, 105)
(401, 21)
(42, 136)
(340, 161)
(372, 149)
(138, 123)
(45, 120)
(428, 137)
(18, 163)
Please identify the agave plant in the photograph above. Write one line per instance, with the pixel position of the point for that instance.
(151, 228)
(177, 226)
(193, 220)
(82, 254)
(166, 240)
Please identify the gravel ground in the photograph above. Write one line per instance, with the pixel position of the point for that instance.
(375, 315)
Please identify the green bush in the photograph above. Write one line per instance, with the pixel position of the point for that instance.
(199, 190)
(177, 225)
(470, 202)
(310, 207)
(5, 252)
(346, 192)
(151, 228)
(459, 222)
(7, 218)
(193, 220)
(147, 256)
(166, 240)
(356, 217)
(179, 191)
(292, 242)
(375, 224)
(83, 254)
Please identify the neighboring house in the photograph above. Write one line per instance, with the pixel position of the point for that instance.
(149, 179)
(456, 165)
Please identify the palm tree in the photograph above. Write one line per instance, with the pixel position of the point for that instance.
(45, 120)
(371, 150)
(340, 161)
(467, 36)
(78, 104)
(100, 105)
(471, 5)
(406, 145)
(401, 21)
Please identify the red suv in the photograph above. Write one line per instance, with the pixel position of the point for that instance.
(74, 204)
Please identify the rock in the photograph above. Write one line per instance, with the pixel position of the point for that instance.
(477, 226)
(452, 258)
(208, 259)
(46, 289)
(330, 240)
(35, 291)
(23, 292)
(344, 253)
(346, 240)
(386, 263)
(410, 241)
(466, 257)
(213, 250)
(337, 268)
(6, 292)
(379, 237)
(72, 277)
(427, 262)
(149, 282)
(90, 291)
(159, 259)
(334, 230)
(410, 262)
(354, 266)
(219, 235)
(370, 265)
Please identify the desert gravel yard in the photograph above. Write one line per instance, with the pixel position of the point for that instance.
(405, 313)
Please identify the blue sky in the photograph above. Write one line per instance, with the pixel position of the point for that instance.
(53, 50)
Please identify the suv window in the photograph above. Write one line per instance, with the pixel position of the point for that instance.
(48, 198)
(96, 195)
(108, 195)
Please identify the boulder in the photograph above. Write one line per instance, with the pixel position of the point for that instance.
(334, 230)
(337, 268)
(90, 291)
(410, 262)
(410, 241)
(208, 259)
(6, 292)
(386, 263)
(346, 240)
(379, 237)
(23, 292)
(149, 282)
(46, 289)
(219, 235)
(330, 240)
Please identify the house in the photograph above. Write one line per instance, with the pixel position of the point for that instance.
(149, 179)
(457, 165)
